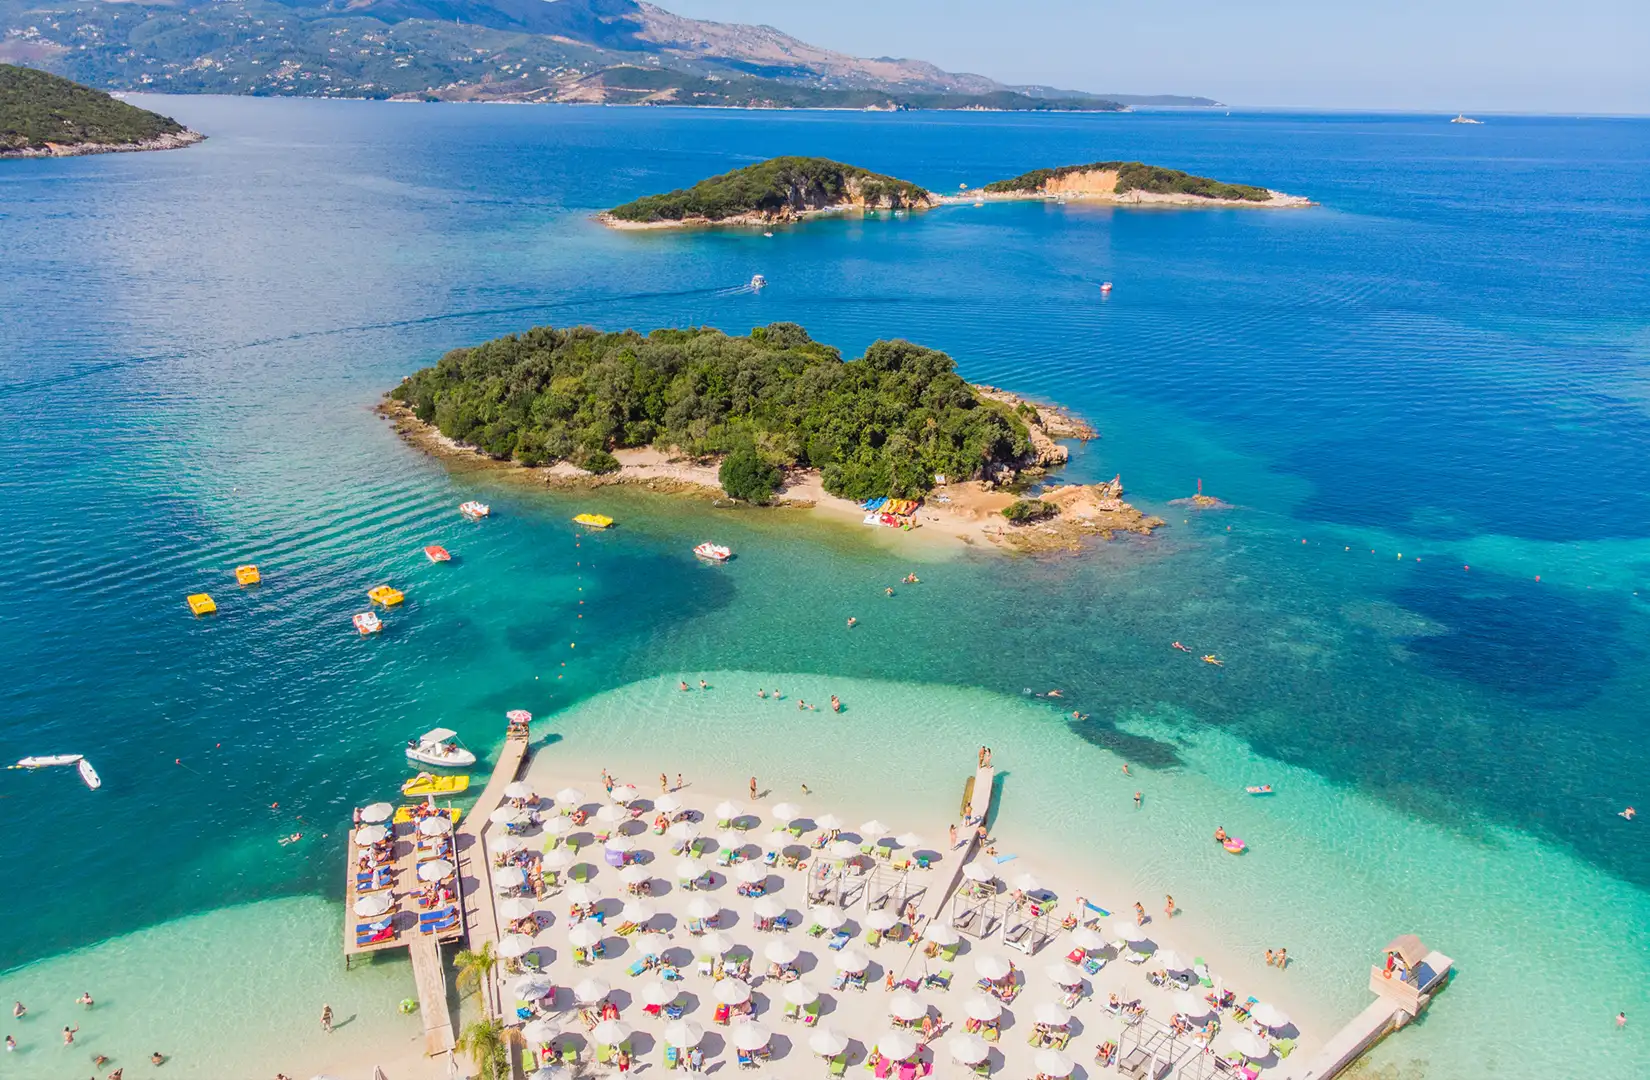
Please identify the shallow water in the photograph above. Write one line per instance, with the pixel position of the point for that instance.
(1447, 360)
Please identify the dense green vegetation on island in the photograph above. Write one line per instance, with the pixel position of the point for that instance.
(37, 108)
(778, 186)
(882, 424)
(1137, 176)
(1023, 511)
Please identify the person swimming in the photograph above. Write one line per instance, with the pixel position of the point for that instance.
(1220, 834)
(1212, 659)
(1182, 648)
(1629, 813)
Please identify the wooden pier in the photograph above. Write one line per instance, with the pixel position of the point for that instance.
(1398, 1000)
(474, 869)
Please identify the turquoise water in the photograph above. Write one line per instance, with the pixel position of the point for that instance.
(1447, 359)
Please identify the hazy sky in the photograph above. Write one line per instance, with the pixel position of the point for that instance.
(1477, 55)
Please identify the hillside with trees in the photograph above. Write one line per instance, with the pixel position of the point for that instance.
(41, 113)
(777, 189)
(1133, 176)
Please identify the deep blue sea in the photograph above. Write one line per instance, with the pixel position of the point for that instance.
(1428, 399)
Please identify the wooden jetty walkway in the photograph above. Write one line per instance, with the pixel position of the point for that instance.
(1397, 1002)
(480, 914)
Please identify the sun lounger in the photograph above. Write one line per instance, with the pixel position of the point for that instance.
(839, 939)
(637, 968)
(569, 1055)
(580, 873)
(840, 981)
(672, 1057)
(983, 1068)
(873, 937)
(839, 1065)
(810, 1013)
(941, 979)
(1284, 1047)
(885, 851)
(1093, 964)
(948, 953)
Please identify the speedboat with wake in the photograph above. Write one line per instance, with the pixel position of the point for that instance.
(440, 747)
(88, 775)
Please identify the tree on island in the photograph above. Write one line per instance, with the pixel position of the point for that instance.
(487, 1044)
(745, 476)
(1025, 511)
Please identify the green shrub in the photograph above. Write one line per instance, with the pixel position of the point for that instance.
(745, 476)
(1023, 511)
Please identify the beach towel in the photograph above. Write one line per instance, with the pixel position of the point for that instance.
(1006, 858)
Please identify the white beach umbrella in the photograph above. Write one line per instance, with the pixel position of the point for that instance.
(1268, 1015)
(687, 868)
(731, 992)
(751, 1036)
(827, 822)
(784, 813)
(506, 845)
(621, 845)
(556, 826)
(377, 812)
(703, 907)
(873, 830)
(880, 919)
(610, 1032)
(800, 994)
(583, 892)
(751, 872)
(977, 871)
(1250, 1045)
(731, 839)
(982, 1008)
(667, 804)
(727, 811)
(683, 1034)
(968, 1048)
(518, 789)
(584, 935)
(634, 874)
(781, 951)
(852, 961)
(435, 826)
(909, 840)
(1063, 975)
(590, 990)
(1053, 1063)
(683, 831)
(1050, 1013)
(897, 1044)
(907, 1006)
(843, 849)
(768, 907)
(434, 870)
(637, 912)
(512, 945)
(509, 877)
(1085, 937)
(658, 992)
(372, 904)
(827, 1042)
(532, 987)
(941, 934)
(557, 859)
(1128, 930)
(541, 1030)
(517, 907)
(716, 943)
(1171, 960)
(368, 835)
(612, 814)
(652, 944)
(991, 966)
(569, 798)
(625, 793)
(507, 815)
(829, 917)
(1188, 1003)
(1026, 883)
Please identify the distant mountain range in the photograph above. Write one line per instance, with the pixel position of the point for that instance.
(619, 51)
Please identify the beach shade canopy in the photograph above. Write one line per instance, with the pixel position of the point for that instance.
(1063, 975)
(556, 826)
(634, 874)
(703, 907)
(372, 904)
(852, 961)
(968, 1048)
(1408, 948)
(683, 1033)
(507, 845)
(368, 835)
(1250, 1045)
(727, 811)
(1052, 1014)
(570, 798)
(541, 1030)
(1052, 1063)
(731, 991)
(768, 907)
(435, 826)
(610, 1032)
(907, 1006)
(716, 943)
(658, 992)
(584, 935)
(827, 1042)
(873, 830)
(880, 919)
(1128, 931)
(1188, 1004)
(1086, 937)
(687, 868)
(377, 812)
(941, 934)
(991, 966)
(507, 815)
(784, 813)
(977, 871)
(509, 877)
(982, 1008)
(556, 859)
(1268, 1015)
(897, 1044)
(829, 917)
(751, 1036)
(636, 912)
(683, 831)
(652, 943)
(625, 793)
(781, 951)
(1026, 883)
(532, 987)
(667, 804)
(1172, 961)
(908, 840)
(827, 822)
(843, 849)
(590, 990)
(511, 945)
(583, 892)
(517, 907)
(732, 839)
(519, 716)
(800, 994)
(751, 872)
(434, 870)
(518, 789)
(621, 845)
(612, 814)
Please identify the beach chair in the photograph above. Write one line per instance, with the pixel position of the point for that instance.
(885, 851)
(840, 981)
(983, 1068)
(839, 939)
(923, 862)
(1076, 956)
(604, 1054)
(873, 937)
(580, 873)
(573, 844)
(795, 831)
(569, 1055)
(810, 1014)
(940, 979)
(637, 968)
(948, 953)
(746, 1061)
(1283, 1047)
(723, 1014)
(1093, 964)
(838, 1066)
(867, 848)
(816, 930)
(672, 1058)
(724, 823)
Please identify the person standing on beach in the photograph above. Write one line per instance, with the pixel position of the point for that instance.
(678, 781)
(1272, 958)
(664, 783)
(1168, 906)
(1283, 958)
(1139, 914)
(753, 787)
(326, 1019)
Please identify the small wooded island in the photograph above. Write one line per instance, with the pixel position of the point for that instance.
(1131, 182)
(42, 115)
(771, 416)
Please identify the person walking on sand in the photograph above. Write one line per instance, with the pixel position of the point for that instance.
(679, 784)
(1168, 906)
(753, 787)
(664, 783)
(326, 1019)
(1139, 913)
(805, 790)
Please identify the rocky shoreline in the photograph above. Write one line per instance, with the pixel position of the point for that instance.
(174, 141)
(1278, 201)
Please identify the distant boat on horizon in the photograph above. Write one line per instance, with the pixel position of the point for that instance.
(1463, 118)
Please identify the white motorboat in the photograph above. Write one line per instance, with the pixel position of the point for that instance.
(759, 282)
(713, 552)
(89, 774)
(440, 747)
(41, 761)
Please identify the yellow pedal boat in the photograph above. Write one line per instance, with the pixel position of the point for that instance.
(425, 784)
(595, 521)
